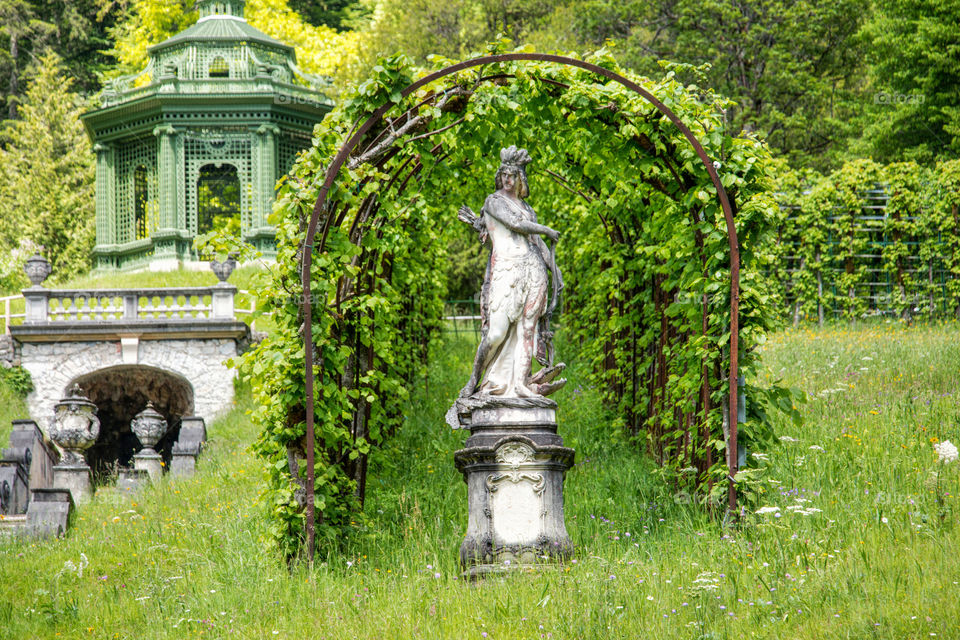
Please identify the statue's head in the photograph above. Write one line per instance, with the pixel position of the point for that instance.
(513, 161)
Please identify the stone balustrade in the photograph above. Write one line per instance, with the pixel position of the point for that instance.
(126, 305)
(43, 306)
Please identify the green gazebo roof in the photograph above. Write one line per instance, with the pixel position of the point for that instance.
(220, 21)
(216, 64)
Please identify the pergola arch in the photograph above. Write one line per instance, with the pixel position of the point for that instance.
(363, 129)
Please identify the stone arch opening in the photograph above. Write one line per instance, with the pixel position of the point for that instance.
(120, 393)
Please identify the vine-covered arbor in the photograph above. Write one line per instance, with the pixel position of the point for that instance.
(648, 242)
(197, 140)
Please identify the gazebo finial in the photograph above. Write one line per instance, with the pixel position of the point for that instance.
(210, 8)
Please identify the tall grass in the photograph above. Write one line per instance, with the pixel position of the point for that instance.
(12, 407)
(869, 552)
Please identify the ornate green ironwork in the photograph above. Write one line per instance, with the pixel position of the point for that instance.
(218, 94)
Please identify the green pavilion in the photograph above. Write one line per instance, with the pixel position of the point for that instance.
(197, 141)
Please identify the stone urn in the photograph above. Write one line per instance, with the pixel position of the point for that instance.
(223, 269)
(149, 426)
(74, 427)
(37, 269)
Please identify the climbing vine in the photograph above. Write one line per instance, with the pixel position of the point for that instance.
(643, 247)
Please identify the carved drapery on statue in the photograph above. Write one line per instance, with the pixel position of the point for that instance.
(516, 300)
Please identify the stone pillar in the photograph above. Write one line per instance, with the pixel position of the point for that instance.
(224, 294)
(514, 465)
(150, 462)
(36, 297)
(77, 479)
(27, 440)
(14, 481)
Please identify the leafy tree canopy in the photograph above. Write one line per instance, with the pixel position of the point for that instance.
(792, 68)
(914, 66)
(47, 173)
(75, 29)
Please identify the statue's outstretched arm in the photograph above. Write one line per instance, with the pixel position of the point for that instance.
(519, 225)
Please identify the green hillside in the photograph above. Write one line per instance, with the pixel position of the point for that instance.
(857, 547)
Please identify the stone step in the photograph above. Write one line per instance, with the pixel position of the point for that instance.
(10, 524)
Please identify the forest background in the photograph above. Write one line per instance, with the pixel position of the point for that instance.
(822, 83)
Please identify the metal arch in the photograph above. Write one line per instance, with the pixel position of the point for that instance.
(334, 169)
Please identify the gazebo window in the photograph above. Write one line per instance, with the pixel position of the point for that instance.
(140, 198)
(219, 68)
(218, 199)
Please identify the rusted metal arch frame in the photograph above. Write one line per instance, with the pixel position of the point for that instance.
(334, 169)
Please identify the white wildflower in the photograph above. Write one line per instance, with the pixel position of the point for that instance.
(765, 510)
(946, 451)
(788, 439)
(760, 456)
(816, 447)
(78, 568)
(706, 581)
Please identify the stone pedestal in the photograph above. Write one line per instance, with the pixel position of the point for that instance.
(75, 478)
(14, 481)
(49, 512)
(150, 461)
(514, 465)
(183, 462)
(132, 480)
(27, 439)
(193, 434)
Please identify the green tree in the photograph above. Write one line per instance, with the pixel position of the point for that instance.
(75, 29)
(47, 173)
(915, 74)
(331, 13)
(452, 28)
(792, 68)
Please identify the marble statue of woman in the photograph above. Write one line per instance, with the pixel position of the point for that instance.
(515, 299)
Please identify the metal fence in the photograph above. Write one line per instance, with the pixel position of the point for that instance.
(462, 317)
(916, 285)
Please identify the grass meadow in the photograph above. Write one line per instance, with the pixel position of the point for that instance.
(862, 544)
